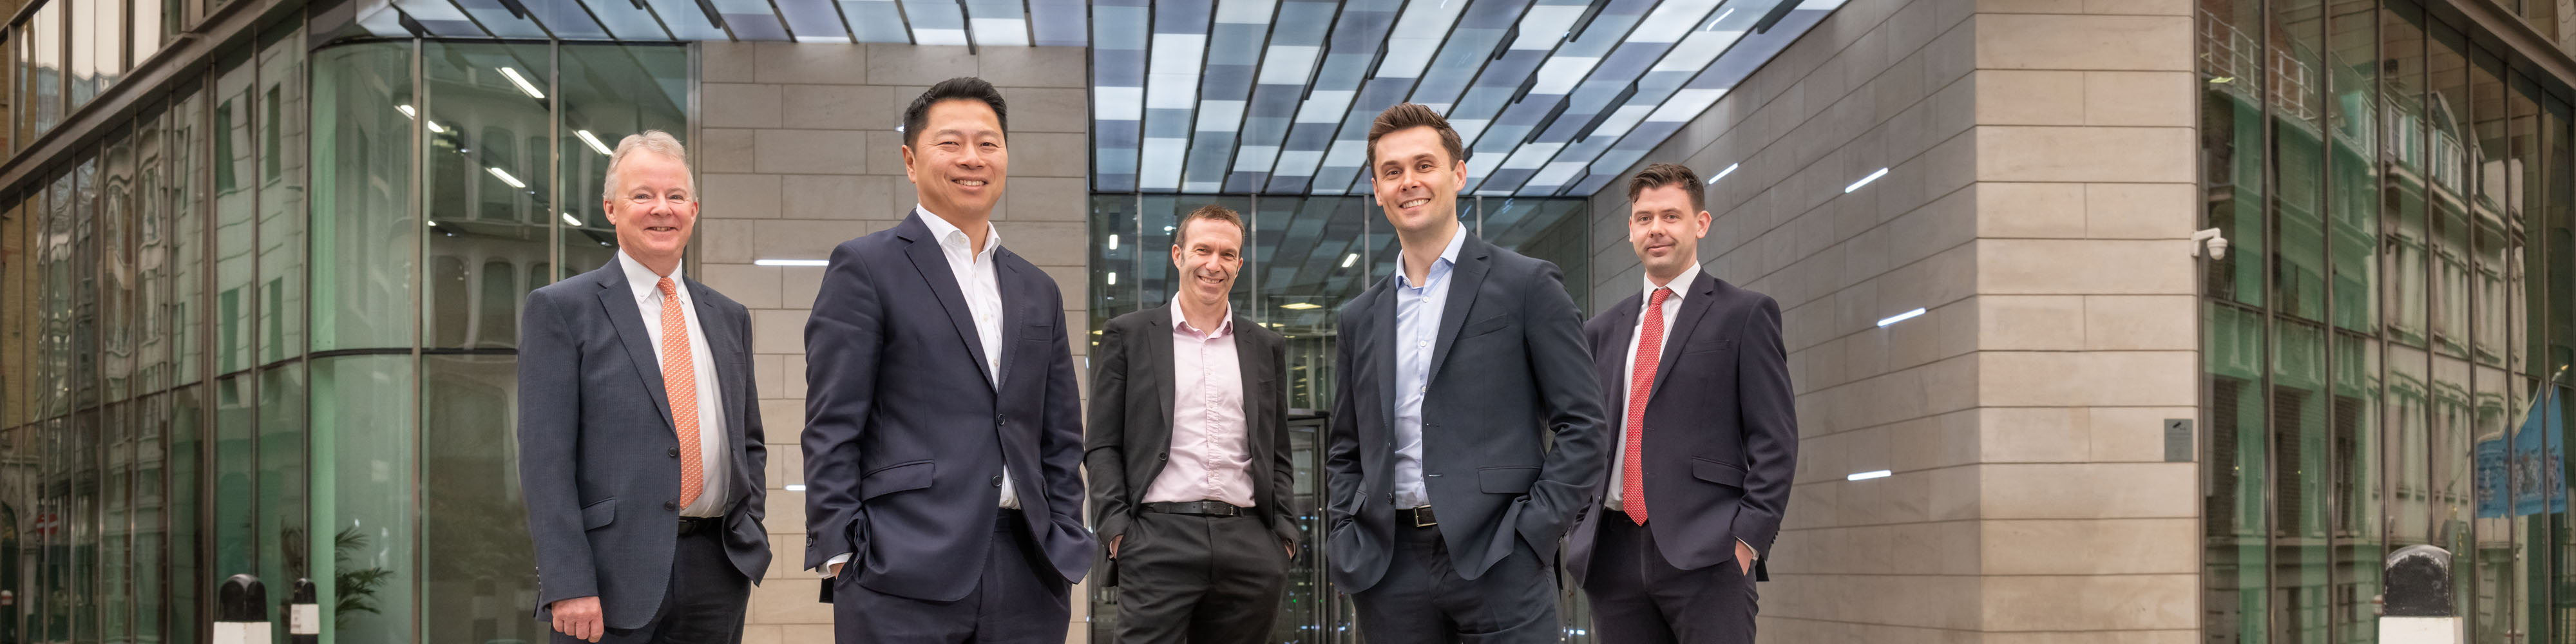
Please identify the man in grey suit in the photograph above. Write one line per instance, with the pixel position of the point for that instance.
(1189, 454)
(1467, 428)
(639, 444)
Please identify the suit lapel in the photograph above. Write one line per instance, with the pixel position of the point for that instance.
(730, 371)
(927, 258)
(1010, 283)
(1465, 278)
(1383, 311)
(1254, 363)
(1703, 291)
(1158, 350)
(617, 298)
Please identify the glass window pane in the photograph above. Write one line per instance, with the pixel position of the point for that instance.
(363, 495)
(2405, 129)
(116, 279)
(106, 42)
(47, 39)
(488, 195)
(149, 28)
(284, 550)
(363, 228)
(188, 576)
(235, 237)
(609, 92)
(188, 240)
(2451, 188)
(281, 193)
(475, 529)
(2232, 127)
(84, 55)
(1309, 254)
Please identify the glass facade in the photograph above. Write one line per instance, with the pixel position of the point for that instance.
(1308, 255)
(65, 54)
(2385, 343)
(268, 326)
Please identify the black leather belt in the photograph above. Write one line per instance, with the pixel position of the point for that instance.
(1201, 508)
(694, 525)
(1419, 517)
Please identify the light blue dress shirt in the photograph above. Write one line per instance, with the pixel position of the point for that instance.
(1417, 330)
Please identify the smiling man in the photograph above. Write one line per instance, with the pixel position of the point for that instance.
(943, 431)
(1700, 477)
(639, 443)
(1189, 454)
(1466, 431)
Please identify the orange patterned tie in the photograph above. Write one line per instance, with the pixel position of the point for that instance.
(680, 382)
(1650, 350)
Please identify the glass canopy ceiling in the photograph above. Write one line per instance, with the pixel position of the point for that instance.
(1270, 96)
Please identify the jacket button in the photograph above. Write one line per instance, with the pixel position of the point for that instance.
(997, 481)
(670, 505)
(1162, 457)
(1001, 420)
(675, 452)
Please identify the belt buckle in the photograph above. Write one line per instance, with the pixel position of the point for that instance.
(1422, 517)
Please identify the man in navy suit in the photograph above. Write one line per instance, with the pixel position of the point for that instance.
(943, 431)
(1466, 434)
(1707, 442)
(639, 439)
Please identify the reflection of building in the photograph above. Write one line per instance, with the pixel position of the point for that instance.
(262, 259)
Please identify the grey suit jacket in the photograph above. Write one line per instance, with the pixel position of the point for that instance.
(1129, 438)
(598, 459)
(1512, 436)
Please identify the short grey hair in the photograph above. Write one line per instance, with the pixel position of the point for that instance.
(654, 141)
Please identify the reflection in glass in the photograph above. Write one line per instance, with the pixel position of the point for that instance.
(363, 497)
(608, 93)
(485, 207)
(480, 577)
(363, 228)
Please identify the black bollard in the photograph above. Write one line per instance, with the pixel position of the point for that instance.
(303, 615)
(241, 614)
(2416, 606)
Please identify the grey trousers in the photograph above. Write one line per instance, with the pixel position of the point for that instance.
(1638, 596)
(1422, 599)
(703, 605)
(1199, 579)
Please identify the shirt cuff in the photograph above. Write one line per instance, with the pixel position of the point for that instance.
(826, 570)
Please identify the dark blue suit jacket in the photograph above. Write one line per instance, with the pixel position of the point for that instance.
(598, 459)
(1508, 374)
(905, 437)
(1721, 427)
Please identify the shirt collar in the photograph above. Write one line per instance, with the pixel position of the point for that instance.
(946, 232)
(1448, 257)
(1680, 284)
(1181, 322)
(643, 280)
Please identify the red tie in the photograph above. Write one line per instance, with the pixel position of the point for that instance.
(1650, 348)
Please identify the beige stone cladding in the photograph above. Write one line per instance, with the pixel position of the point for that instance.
(2037, 206)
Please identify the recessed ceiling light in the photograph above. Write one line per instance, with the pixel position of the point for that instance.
(593, 140)
(1301, 306)
(506, 178)
(570, 221)
(1348, 260)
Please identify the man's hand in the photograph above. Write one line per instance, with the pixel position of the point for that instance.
(579, 618)
(1743, 557)
(1292, 548)
(836, 569)
(1113, 545)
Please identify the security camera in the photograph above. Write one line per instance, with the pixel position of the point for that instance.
(2217, 244)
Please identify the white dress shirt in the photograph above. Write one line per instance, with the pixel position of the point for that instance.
(1417, 332)
(1211, 452)
(983, 291)
(1628, 372)
(711, 428)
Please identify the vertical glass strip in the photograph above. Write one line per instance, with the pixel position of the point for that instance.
(2236, 602)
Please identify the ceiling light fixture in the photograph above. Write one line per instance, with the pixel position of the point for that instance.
(569, 221)
(1865, 180)
(522, 82)
(1301, 306)
(1350, 259)
(593, 140)
(506, 178)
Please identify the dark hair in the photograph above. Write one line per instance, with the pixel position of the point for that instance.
(1412, 115)
(1210, 212)
(969, 88)
(1669, 174)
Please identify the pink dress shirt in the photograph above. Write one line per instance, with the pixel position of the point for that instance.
(1210, 460)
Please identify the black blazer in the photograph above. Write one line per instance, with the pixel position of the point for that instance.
(905, 437)
(1507, 376)
(1130, 437)
(598, 460)
(1721, 427)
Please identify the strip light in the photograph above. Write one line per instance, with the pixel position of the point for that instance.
(1730, 169)
(795, 487)
(1113, 241)
(1301, 306)
(1900, 317)
(587, 137)
(1865, 180)
(1873, 474)
(506, 178)
(1113, 278)
(791, 262)
(569, 221)
(407, 111)
(1353, 258)
(522, 82)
